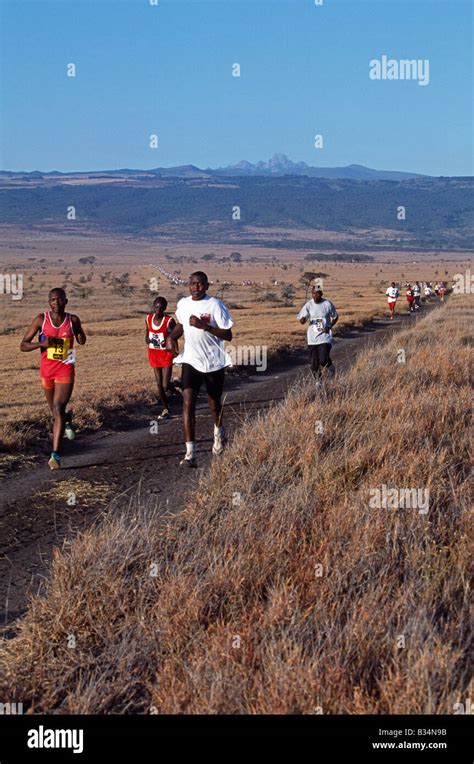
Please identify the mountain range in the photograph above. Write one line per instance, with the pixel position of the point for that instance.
(278, 166)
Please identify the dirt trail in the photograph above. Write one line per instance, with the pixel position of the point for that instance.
(106, 468)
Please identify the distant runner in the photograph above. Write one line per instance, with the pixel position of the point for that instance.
(442, 291)
(392, 297)
(205, 323)
(410, 299)
(322, 317)
(57, 330)
(158, 327)
(428, 292)
(417, 295)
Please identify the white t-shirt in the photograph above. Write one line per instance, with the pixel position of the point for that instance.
(392, 294)
(319, 314)
(416, 290)
(201, 349)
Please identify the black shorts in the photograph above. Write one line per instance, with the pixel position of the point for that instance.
(319, 355)
(192, 378)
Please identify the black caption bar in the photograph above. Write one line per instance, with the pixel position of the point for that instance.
(91, 738)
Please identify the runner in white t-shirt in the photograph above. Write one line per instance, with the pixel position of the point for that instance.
(206, 324)
(322, 316)
(392, 297)
(417, 295)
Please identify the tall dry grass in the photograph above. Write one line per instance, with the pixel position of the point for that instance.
(239, 617)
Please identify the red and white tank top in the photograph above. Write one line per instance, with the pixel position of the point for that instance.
(158, 356)
(61, 352)
(157, 333)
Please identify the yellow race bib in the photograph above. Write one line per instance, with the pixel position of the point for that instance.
(59, 349)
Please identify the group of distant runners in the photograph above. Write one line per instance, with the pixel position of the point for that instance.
(205, 323)
(413, 294)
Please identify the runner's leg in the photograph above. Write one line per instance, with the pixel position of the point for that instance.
(314, 361)
(49, 393)
(167, 371)
(215, 406)
(214, 388)
(161, 388)
(189, 413)
(191, 379)
(62, 394)
(324, 354)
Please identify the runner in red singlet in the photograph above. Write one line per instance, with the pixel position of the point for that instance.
(57, 331)
(158, 327)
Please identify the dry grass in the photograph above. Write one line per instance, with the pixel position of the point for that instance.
(237, 618)
(89, 494)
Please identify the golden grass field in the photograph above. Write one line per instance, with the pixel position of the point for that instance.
(278, 588)
(113, 365)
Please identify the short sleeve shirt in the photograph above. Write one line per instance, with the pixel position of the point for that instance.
(392, 294)
(319, 316)
(202, 350)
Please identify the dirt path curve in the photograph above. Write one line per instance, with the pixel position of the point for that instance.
(106, 468)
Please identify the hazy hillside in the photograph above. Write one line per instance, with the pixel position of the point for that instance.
(438, 211)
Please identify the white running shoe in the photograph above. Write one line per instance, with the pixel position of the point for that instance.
(188, 462)
(69, 431)
(219, 443)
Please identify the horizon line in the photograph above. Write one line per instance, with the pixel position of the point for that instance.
(232, 166)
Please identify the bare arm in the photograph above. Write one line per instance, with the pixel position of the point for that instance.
(221, 334)
(26, 345)
(177, 332)
(79, 332)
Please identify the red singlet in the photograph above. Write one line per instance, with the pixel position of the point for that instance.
(158, 356)
(57, 362)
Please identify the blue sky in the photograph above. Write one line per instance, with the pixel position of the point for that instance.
(167, 70)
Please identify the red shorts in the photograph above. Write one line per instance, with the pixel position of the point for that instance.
(391, 305)
(160, 359)
(62, 377)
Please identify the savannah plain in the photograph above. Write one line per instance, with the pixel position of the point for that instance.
(113, 294)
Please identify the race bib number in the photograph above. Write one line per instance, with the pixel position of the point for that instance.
(156, 341)
(319, 325)
(60, 349)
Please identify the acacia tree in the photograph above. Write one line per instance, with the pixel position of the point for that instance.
(223, 288)
(288, 293)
